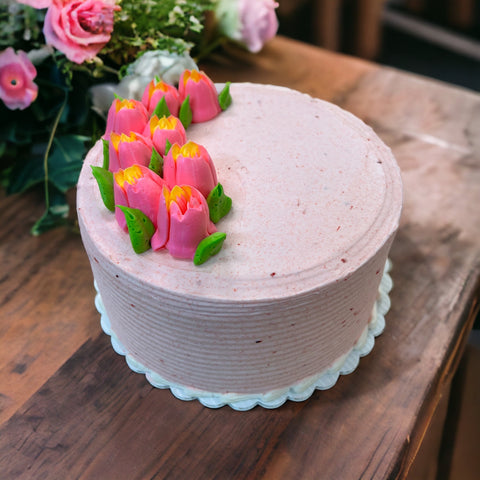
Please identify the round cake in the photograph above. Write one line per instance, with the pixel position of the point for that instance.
(300, 287)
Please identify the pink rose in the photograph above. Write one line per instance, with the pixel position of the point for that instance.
(79, 29)
(250, 22)
(183, 221)
(137, 187)
(127, 150)
(166, 128)
(17, 72)
(203, 95)
(190, 165)
(125, 116)
(155, 91)
(36, 3)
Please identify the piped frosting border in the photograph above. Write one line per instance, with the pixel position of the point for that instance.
(298, 392)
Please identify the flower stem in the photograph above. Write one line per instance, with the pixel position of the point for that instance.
(49, 147)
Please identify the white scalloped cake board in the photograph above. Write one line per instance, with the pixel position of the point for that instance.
(298, 392)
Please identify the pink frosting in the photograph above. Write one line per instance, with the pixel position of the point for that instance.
(155, 91)
(125, 116)
(183, 221)
(130, 150)
(203, 95)
(190, 165)
(161, 130)
(142, 193)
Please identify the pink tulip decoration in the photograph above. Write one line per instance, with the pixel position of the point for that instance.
(125, 116)
(202, 94)
(190, 164)
(166, 128)
(17, 89)
(79, 29)
(155, 91)
(137, 187)
(183, 221)
(127, 150)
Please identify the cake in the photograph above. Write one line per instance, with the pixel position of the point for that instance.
(300, 288)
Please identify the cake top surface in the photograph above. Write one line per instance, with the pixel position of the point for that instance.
(315, 195)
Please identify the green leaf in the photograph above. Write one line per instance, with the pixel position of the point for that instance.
(140, 228)
(185, 114)
(156, 162)
(219, 204)
(224, 97)
(104, 180)
(66, 160)
(209, 247)
(55, 215)
(106, 155)
(161, 110)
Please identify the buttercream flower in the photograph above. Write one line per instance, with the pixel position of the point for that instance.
(203, 95)
(79, 29)
(17, 89)
(36, 3)
(155, 91)
(125, 116)
(165, 128)
(126, 150)
(250, 22)
(183, 221)
(137, 187)
(190, 164)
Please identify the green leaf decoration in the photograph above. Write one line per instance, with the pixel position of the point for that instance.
(106, 155)
(105, 185)
(118, 97)
(168, 146)
(185, 114)
(224, 97)
(140, 228)
(156, 162)
(219, 204)
(161, 110)
(209, 247)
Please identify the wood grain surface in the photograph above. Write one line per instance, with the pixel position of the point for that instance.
(71, 408)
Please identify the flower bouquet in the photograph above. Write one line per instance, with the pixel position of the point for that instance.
(62, 62)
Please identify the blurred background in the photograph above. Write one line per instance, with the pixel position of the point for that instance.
(437, 38)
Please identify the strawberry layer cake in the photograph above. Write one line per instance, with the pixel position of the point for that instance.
(300, 288)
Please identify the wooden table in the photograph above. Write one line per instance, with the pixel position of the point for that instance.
(71, 408)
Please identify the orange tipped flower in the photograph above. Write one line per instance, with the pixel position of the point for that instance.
(203, 95)
(155, 91)
(125, 150)
(165, 128)
(190, 164)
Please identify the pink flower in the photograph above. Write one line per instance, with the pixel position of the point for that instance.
(166, 128)
(137, 187)
(203, 95)
(36, 3)
(183, 221)
(79, 29)
(125, 116)
(154, 92)
(127, 150)
(190, 165)
(17, 72)
(250, 22)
